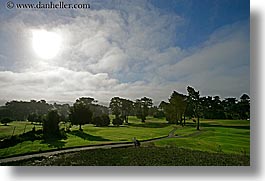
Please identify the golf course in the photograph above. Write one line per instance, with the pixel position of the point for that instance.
(224, 142)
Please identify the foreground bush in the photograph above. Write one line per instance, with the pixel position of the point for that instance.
(151, 156)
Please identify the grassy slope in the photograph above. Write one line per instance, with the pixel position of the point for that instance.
(227, 136)
(95, 135)
(216, 136)
(6, 131)
(151, 156)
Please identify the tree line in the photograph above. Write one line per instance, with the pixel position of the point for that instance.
(85, 110)
(180, 106)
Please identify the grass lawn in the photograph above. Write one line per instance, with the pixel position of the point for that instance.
(95, 135)
(20, 126)
(215, 136)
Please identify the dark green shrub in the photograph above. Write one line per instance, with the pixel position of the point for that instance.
(5, 121)
(28, 136)
(117, 121)
(101, 121)
(159, 114)
(51, 125)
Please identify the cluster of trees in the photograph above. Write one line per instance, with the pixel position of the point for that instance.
(122, 108)
(86, 110)
(181, 106)
(5, 121)
(20, 110)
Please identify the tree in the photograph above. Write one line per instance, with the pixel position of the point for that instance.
(98, 110)
(142, 107)
(32, 117)
(121, 108)
(168, 111)
(230, 108)
(244, 107)
(19, 110)
(126, 109)
(80, 113)
(157, 113)
(115, 106)
(51, 125)
(101, 121)
(63, 110)
(178, 103)
(195, 102)
(5, 121)
(117, 121)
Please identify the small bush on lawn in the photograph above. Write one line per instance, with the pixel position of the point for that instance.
(117, 121)
(28, 136)
(5, 121)
(101, 121)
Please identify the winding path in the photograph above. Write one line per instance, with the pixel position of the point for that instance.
(90, 147)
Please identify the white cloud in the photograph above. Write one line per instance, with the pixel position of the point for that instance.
(127, 51)
(217, 67)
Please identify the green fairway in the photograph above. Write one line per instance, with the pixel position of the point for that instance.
(215, 136)
(95, 135)
(18, 127)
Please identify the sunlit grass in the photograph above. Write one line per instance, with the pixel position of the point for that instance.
(216, 136)
(18, 127)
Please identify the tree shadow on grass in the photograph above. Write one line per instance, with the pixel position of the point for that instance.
(54, 143)
(149, 125)
(86, 136)
(224, 126)
(6, 125)
(219, 126)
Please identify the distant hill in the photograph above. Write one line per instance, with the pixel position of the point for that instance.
(2, 102)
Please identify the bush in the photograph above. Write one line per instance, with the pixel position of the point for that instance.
(16, 139)
(101, 121)
(5, 121)
(33, 117)
(51, 125)
(159, 114)
(117, 121)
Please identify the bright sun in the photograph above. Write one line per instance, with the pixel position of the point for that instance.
(46, 44)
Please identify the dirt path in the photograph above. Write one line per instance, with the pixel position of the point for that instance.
(103, 146)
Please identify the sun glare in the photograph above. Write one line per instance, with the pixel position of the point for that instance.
(46, 44)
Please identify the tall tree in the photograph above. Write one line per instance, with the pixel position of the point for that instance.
(194, 100)
(51, 124)
(121, 108)
(230, 108)
(244, 107)
(142, 106)
(178, 102)
(168, 110)
(115, 106)
(80, 113)
(126, 108)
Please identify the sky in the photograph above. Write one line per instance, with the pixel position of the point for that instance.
(129, 49)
